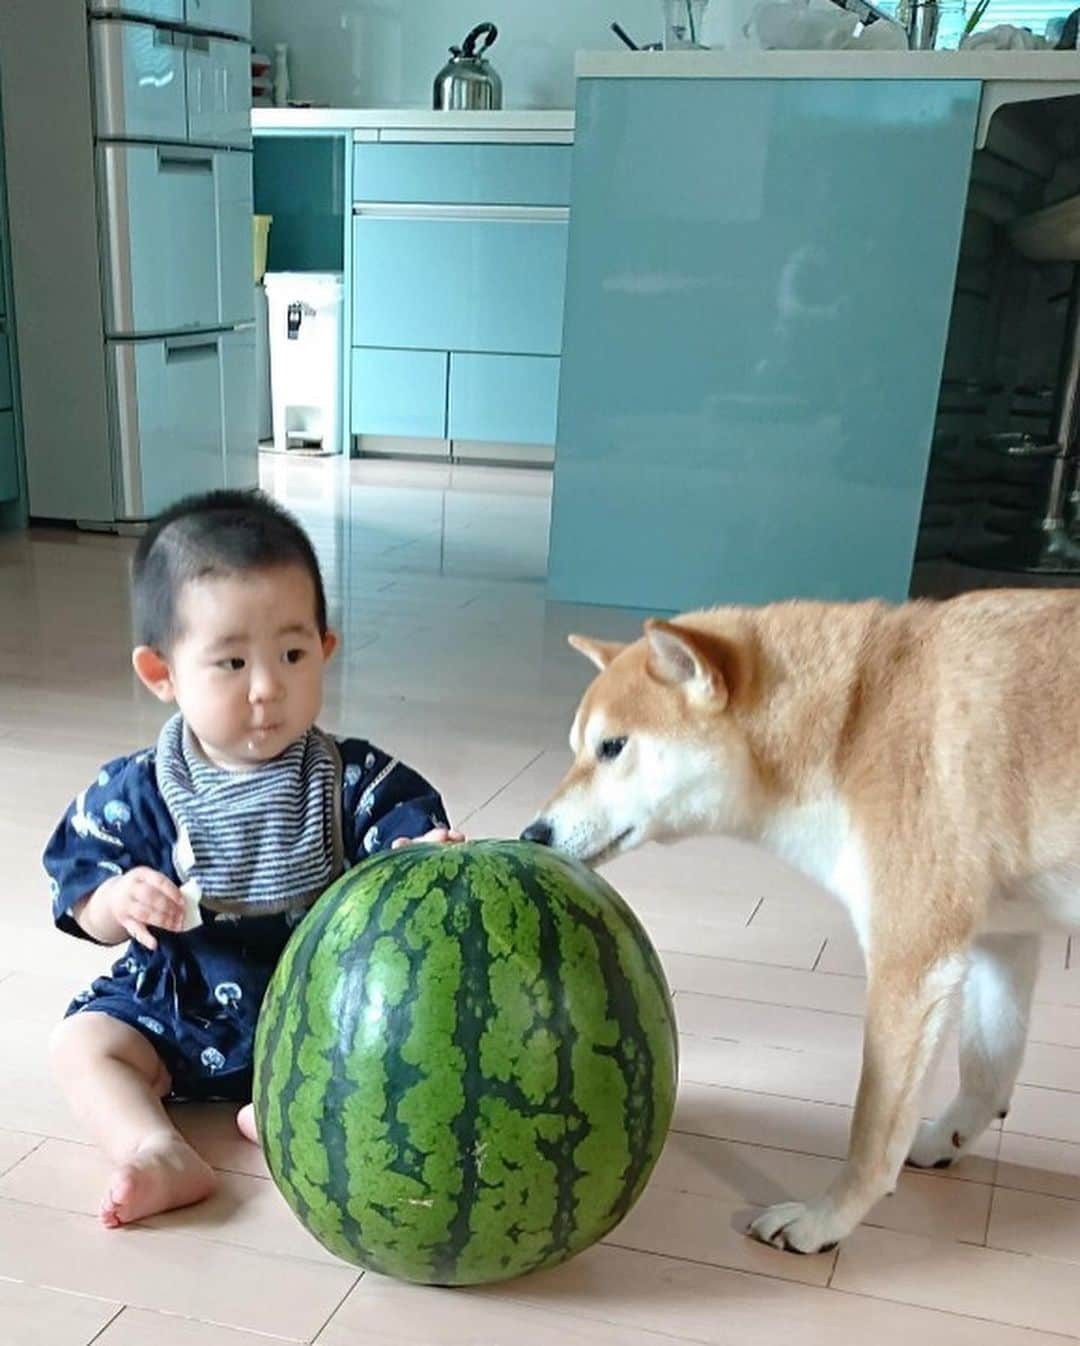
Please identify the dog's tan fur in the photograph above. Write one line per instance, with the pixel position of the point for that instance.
(923, 762)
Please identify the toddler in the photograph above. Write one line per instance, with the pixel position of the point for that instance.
(207, 849)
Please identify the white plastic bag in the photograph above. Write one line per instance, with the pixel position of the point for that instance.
(1004, 37)
(818, 25)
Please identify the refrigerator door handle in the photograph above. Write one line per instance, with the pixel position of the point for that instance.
(179, 158)
(190, 347)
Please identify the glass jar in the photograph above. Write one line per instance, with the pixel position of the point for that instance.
(682, 24)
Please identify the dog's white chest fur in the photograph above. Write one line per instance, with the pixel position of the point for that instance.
(818, 839)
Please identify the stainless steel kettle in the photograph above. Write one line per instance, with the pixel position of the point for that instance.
(467, 81)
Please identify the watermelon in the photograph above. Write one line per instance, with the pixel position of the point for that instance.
(465, 1062)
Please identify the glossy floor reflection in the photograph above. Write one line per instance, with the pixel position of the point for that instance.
(452, 658)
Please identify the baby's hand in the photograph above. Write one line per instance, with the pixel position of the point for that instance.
(439, 836)
(139, 899)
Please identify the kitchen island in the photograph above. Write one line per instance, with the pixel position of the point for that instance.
(762, 269)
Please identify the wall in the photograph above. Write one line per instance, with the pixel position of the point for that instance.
(385, 53)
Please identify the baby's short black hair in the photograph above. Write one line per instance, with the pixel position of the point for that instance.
(219, 533)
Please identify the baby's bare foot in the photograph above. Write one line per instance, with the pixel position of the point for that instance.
(245, 1123)
(163, 1175)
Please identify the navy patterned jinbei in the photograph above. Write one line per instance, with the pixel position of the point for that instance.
(197, 996)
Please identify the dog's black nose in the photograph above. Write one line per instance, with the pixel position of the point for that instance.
(539, 832)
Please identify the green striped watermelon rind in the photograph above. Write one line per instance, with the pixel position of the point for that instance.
(430, 1106)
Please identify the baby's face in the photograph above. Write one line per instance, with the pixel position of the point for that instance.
(247, 668)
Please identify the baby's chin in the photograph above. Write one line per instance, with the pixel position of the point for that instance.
(250, 750)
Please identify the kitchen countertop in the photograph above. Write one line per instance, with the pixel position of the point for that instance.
(510, 120)
(1005, 76)
(1062, 67)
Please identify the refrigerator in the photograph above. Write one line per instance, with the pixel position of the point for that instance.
(159, 178)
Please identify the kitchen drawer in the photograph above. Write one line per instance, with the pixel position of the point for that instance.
(5, 372)
(219, 91)
(510, 399)
(221, 16)
(169, 418)
(138, 81)
(478, 282)
(512, 175)
(174, 248)
(398, 392)
(9, 468)
(502, 399)
(171, 10)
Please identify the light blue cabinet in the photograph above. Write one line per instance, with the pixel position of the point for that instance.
(511, 175)
(458, 264)
(9, 468)
(476, 284)
(396, 392)
(503, 398)
(759, 285)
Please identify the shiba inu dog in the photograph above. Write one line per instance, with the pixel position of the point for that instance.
(922, 762)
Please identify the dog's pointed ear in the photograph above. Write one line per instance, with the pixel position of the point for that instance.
(708, 667)
(598, 652)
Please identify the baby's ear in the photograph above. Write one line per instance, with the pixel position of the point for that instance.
(329, 643)
(153, 672)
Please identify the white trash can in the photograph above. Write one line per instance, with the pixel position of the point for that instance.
(305, 359)
(262, 366)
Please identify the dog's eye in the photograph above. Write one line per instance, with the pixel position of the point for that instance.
(610, 748)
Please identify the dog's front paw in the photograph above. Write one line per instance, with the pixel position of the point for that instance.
(798, 1227)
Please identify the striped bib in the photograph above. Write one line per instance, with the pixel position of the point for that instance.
(255, 842)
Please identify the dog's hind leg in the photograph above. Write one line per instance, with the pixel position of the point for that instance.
(993, 1033)
(908, 1007)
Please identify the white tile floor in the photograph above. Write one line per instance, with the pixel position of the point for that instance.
(452, 658)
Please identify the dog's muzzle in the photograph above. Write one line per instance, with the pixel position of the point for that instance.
(539, 832)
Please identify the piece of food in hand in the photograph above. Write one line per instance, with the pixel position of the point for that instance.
(192, 895)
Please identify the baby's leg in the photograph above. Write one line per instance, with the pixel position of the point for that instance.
(115, 1081)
